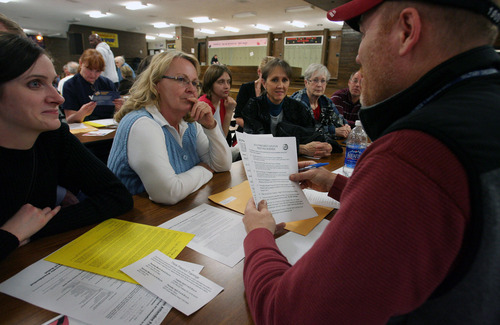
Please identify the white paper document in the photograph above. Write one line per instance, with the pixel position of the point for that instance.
(105, 122)
(321, 198)
(268, 162)
(99, 133)
(294, 246)
(185, 290)
(340, 171)
(64, 320)
(75, 126)
(85, 296)
(219, 233)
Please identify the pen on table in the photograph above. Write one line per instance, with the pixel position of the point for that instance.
(312, 166)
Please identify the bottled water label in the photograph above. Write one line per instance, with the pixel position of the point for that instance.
(352, 154)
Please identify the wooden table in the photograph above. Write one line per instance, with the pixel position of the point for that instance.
(100, 146)
(93, 139)
(228, 307)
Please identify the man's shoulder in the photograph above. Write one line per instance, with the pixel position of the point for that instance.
(67, 78)
(341, 92)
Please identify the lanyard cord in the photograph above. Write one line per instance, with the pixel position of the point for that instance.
(468, 75)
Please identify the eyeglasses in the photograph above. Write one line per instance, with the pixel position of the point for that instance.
(317, 81)
(184, 81)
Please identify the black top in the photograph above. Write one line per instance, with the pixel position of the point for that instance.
(125, 85)
(57, 158)
(247, 91)
(257, 118)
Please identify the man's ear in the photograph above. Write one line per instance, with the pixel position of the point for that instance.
(409, 30)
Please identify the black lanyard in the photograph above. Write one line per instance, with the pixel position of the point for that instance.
(468, 75)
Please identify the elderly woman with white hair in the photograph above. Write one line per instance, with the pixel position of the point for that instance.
(120, 62)
(321, 107)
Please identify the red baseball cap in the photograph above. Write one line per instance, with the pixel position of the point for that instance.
(352, 10)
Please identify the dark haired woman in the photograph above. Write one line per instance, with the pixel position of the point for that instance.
(262, 114)
(38, 153)
(216, 86)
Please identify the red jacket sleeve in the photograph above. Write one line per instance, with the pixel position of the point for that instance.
(395, 237)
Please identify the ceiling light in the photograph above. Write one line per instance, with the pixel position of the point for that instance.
(96, 14)
(263, 27)
(207, 31)
(134, 5)
(299, 8)
(244, 14)
(200, 20)
(161, 25)
(298, 24)
(231, 29)
(150, 37)
(166, 35)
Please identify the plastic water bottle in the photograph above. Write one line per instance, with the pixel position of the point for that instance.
(356, 143)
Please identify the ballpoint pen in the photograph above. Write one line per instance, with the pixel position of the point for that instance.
(312, 166)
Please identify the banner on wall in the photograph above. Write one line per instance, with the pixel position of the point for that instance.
(304, 40)
(251, 42)
(110, 38)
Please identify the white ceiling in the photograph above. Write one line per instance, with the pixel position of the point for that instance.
(52, 17)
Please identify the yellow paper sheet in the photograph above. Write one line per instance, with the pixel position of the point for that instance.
(96, 125)
(114, 244)
(84, 129)
(236, 198)
(304, 227)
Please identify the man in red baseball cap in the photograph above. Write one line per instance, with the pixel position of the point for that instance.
(417, 237)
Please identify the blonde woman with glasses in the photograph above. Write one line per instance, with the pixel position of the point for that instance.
(167, 143)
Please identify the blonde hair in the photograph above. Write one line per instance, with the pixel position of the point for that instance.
(126, 72)
(265, 61)
(143, 91)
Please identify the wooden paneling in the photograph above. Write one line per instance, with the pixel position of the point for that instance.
(348, 52)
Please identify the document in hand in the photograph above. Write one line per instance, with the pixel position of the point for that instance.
(268, 162)
(105, 97)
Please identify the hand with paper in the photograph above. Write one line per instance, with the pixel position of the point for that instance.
(260, 217)
(268, 162)
(318, 179)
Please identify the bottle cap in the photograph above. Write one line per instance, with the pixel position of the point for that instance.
(357, 123)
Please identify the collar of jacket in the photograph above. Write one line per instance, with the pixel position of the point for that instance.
(377, 118)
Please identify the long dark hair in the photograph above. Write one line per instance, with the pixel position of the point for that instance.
(211, 75)
(17, 55)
